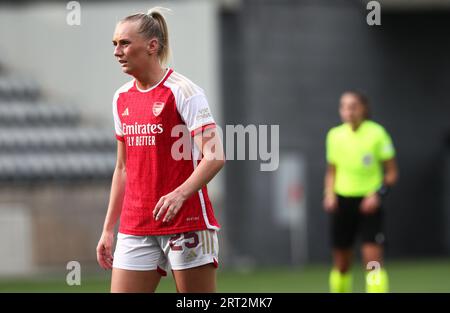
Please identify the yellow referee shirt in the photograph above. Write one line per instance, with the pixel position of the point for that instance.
(358, 157)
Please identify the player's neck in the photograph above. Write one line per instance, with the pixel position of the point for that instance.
(151, 77)
(356, 125)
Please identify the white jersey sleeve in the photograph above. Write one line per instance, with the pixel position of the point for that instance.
(196, 113)
(117, 122)
(191, 103)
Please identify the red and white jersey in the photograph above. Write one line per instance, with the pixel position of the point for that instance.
(144, 120)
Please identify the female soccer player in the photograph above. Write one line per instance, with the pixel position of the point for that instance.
(159, 187)
(361, 168)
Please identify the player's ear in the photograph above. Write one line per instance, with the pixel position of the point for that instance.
(152, 46)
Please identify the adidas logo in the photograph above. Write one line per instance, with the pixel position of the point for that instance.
(191, 255)
(125, 113)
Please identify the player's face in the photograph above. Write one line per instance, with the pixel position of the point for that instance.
(351, 109)
(130, 47)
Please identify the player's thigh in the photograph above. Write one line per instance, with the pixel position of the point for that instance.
(373, 237)
(134, 281)
(344, 223)
(138, 265)
(196, 279)
(372, 228)
(193, 257)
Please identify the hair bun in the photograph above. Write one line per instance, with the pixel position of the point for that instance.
(159, 10)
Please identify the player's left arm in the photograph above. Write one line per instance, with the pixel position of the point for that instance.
(390, 172)
(213, 160)
(386, 154)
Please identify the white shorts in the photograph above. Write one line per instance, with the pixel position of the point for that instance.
(180, 251)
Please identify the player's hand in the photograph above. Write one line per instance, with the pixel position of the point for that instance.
(330, 203)
(370, 204)
(168, 206)
(104, 250)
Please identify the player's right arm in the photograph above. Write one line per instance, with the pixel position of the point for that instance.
(329, 196)
(330, 199)
(104, 247)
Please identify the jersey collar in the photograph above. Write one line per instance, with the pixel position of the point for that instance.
(166, 75)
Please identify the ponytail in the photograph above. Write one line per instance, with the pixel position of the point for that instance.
(164, 50)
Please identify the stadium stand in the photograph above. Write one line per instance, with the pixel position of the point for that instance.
(41, 141)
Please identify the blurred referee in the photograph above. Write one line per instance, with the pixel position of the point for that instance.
(361, 169)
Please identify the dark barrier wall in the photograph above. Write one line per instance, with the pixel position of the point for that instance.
(286, 63)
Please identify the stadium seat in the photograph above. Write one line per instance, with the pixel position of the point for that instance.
(41, 141)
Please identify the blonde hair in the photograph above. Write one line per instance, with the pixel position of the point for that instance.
(153, 25)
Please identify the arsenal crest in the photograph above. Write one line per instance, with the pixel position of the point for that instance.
(157, 108)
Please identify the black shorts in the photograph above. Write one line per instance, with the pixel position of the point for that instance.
(347, 222)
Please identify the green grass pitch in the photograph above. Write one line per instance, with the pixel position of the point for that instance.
(405, 276)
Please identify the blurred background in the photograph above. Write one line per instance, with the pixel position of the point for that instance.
(266, 62)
